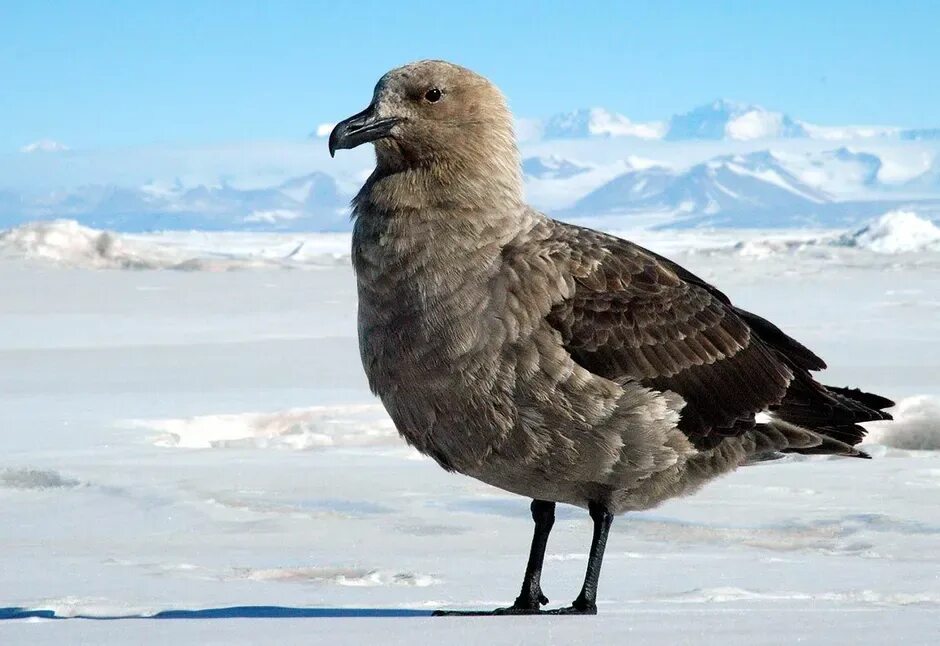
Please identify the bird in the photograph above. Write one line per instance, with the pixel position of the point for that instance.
(553, 361)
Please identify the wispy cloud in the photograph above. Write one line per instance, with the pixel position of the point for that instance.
(324, 129)
(44, 146)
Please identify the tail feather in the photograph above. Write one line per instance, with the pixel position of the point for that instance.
(872, 401)
(779, 436)
(834, 412)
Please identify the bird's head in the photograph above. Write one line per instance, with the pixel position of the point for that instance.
(437, 116)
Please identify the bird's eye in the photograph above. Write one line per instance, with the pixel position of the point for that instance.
(433, 95)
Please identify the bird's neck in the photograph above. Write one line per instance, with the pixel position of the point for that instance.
(482, 184)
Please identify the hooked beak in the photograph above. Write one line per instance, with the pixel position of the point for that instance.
(359, 129)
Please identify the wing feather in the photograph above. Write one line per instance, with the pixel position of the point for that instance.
(634, 316)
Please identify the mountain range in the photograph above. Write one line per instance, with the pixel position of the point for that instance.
(721, 164)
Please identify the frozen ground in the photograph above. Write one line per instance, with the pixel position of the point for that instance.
(204, 440)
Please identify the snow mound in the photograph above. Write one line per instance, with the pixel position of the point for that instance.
(70, 244)
(916, 425)
(298, 429)
(768, 248)
(896, 232)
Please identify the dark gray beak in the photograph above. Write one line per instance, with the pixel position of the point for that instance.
(360, 129)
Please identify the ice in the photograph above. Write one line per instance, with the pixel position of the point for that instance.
(897, 232)
(203, 444)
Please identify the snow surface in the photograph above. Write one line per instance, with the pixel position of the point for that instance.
(205, 442)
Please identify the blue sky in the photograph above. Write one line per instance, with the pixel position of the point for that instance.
(115, 74)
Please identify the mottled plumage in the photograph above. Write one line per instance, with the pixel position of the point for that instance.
(549, 360)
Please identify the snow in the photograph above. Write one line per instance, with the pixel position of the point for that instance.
(897, 232)
(359, 425)
(281, 187)
(272, 216)
(754, 124)
(848, 133)
(203, 444)
(68, 244)
(916, 425)
(732, 120)
(598, 122)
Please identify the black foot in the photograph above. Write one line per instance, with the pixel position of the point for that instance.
(530, 602)
(577, 608)
(522, 606)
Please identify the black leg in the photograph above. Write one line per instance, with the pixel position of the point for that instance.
(586, 603)
(531, 598)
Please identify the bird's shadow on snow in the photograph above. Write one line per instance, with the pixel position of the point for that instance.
(233, 612)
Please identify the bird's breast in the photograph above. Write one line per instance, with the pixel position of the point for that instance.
(431, 346)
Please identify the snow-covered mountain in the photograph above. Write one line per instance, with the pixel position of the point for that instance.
(717, 191)
(721, 119)
(725, 119)
(551, 167)
(598, 122)
(720, 163)
(309, 202)
(842, 171)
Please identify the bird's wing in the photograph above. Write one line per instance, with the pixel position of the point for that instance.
(637, 316)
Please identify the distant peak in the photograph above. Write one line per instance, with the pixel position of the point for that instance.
(599, 122)
(727, 119)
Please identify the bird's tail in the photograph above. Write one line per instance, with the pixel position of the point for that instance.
(777, 437)
(834, 413)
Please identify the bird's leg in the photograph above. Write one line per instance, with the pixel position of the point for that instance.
(531, 597)
(586, 603)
